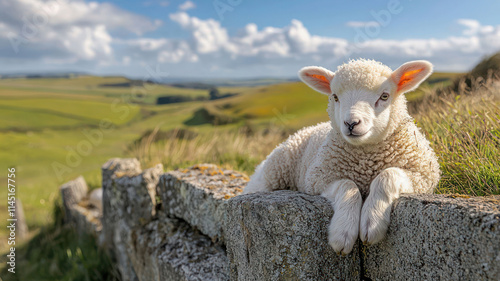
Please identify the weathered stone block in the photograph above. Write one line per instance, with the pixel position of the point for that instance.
(438, 237)
(112, 169)
(198, 195)
(128, 201)
(78, 211)
(169, 249)
(135, 196)
(72, 193)
(21, 226)
(87, 219)
(283, 235)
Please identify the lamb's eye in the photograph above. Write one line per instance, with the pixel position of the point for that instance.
(384, 96)
(335, 98)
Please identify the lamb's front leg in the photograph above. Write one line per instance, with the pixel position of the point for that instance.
(376, 212)
(346, 201)
(257, 181)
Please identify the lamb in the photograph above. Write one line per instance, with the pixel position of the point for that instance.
(369, 153)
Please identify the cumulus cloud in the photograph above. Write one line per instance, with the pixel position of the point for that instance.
(188, 5)
(161, 50)
(486, 37)
(64, 31)
(208, 36)
(474, 27)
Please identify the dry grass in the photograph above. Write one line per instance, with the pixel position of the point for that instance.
(463, 127)
(240, 149)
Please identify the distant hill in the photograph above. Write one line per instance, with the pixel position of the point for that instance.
(488, 68)
(179, 82)
(209, 83)
(41, 75)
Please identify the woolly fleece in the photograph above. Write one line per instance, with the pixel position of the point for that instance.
(359, 74)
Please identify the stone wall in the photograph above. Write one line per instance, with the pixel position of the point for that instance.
(189, 224)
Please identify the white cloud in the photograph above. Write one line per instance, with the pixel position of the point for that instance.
(474, 27)
(65, 31)
(88, 43)
(208, 35)
(161, 50)
(187, 6)
(486, 37)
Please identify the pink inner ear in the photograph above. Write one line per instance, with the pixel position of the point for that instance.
(320, 79)
(407, 77)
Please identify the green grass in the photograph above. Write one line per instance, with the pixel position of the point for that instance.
(33, 154)
(118, 113)
(464, 131)
(26, 119)
(57, 252)
(85, 86)
(46, 120)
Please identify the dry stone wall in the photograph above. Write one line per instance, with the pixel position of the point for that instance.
(189, 224)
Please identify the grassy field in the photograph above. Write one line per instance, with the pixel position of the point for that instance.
(81, 122)
(54, 123)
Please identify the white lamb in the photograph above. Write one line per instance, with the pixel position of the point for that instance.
(371, 149)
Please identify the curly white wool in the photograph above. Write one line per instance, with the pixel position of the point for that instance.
(358, 74)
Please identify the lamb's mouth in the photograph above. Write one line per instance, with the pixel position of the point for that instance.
(351, 135)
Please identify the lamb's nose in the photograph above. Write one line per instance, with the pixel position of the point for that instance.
(350, 126)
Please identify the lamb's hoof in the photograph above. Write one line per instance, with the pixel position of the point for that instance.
(341, 241)
(372, 230)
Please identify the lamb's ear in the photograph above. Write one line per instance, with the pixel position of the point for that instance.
(409, 75)
(318, 78)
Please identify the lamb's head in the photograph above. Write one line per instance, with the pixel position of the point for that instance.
(366, 101)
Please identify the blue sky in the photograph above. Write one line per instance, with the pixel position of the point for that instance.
(419, 19)
(248, 39)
